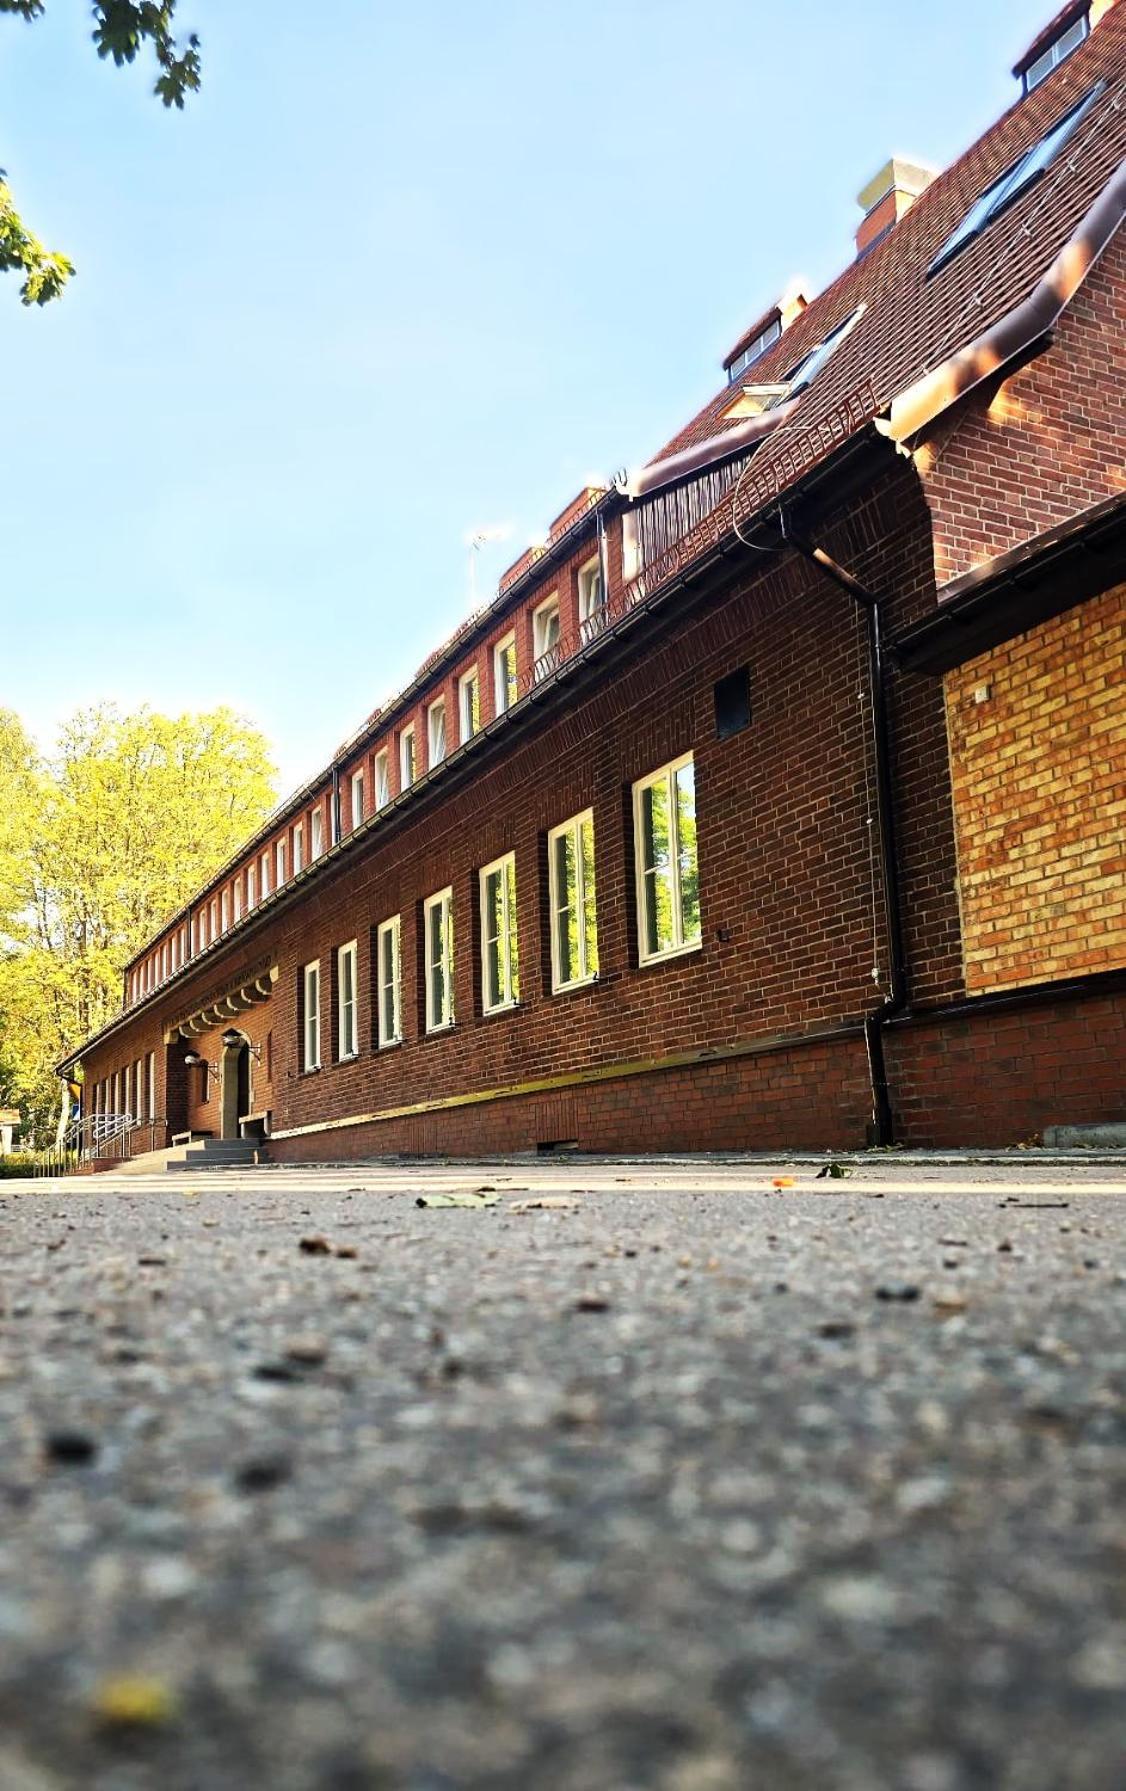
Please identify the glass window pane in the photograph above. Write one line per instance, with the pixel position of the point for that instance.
(687, 865)
(589, 924)
(512, 967)
(566, 895)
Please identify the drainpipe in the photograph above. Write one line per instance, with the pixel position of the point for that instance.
(898, 996)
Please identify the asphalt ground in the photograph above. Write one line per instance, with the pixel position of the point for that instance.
(681, 1482)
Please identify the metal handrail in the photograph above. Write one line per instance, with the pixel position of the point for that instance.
(99, 1135)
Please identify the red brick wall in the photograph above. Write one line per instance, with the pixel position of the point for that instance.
(1000, 1077)
(1043, 447)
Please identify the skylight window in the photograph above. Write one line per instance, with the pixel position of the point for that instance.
(809, 367)
(1057, 52)
(1035, 162)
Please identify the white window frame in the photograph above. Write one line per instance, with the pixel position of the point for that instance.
(665, 774)
(139, 1090)
(347, 1016)
(298, 849)
(436, 717)
(236, 898)
(213, 929)
(316, 833)
(408, 758)
(311, 1028)
(358, 797)
(574, 828)
(280, 874)
(382, 780)
(468, 699)
(389, 983)
(508, 937)
(251, 887)
(542, 617)
(264, 875)
(225, 910)
(150, 1077)
(443, 902)
(592, 613)
(503, 697)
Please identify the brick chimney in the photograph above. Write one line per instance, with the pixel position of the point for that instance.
(887, 196)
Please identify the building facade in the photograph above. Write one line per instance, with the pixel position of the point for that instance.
(778, 799)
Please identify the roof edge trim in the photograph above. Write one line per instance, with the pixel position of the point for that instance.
(919, 404)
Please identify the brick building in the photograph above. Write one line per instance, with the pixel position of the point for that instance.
(779, 798)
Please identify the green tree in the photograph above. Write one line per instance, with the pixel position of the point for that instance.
(122, 29)
(109, 837)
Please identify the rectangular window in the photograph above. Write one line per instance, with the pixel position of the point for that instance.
(316, 834)
(469, 702)
(436, 732)
(298, 849)
(500, 970)
(592, 600)
(406, 758)
(574, 924)
(138, 1090)
(311, 1059)
(382, 781)
(389, 980)
(251, 887)
(668, 878)
(346, 1001)
(225, 909)
(265, 874)
(545, 635)
(504, 674)
(151, 1064)
(237, 887)
(279, 864)
(438, 933)
(357, 798)
(213, 930)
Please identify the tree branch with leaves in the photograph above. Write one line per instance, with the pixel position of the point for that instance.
(122, 30)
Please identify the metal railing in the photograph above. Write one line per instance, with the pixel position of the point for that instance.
(102, 1136)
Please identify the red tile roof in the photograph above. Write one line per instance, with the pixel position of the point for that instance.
(910, 323)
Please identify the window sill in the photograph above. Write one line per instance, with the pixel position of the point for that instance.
(393, 1044)
(348, 1057)
(437, 1032)
(498, 1012)
(575, 988)
(674, 951)
(312, 1069)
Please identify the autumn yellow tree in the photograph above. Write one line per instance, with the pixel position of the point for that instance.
(99, 843)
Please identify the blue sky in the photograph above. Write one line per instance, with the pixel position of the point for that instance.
(397, 272)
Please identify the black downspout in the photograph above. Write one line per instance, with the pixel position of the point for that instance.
(898, 995)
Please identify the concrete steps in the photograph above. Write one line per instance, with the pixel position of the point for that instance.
(212, 1153)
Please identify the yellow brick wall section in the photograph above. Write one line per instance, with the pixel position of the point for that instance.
(1039, 776)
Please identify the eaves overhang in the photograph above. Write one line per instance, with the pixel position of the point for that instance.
(1017, 591)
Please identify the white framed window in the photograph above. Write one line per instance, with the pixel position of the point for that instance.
(500, 964)
(382, 781)
(264, 874)
(407, 770)
(436, 732)
(316, 834)
(1057, 52)
(571, 892)
(754, 351)
(592, 599)
(389, 995)
(225, 909)
(311, 1042)
(237, 889)
(279, 864)
(504, 674)
(438, 937)
(346, 1001)
(251, 886)
(667, 868)
(138, 1090)
(469, 702)
(151, 1066)
(357, 798)
(298, 849)
(213, 930)
(545, 633)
